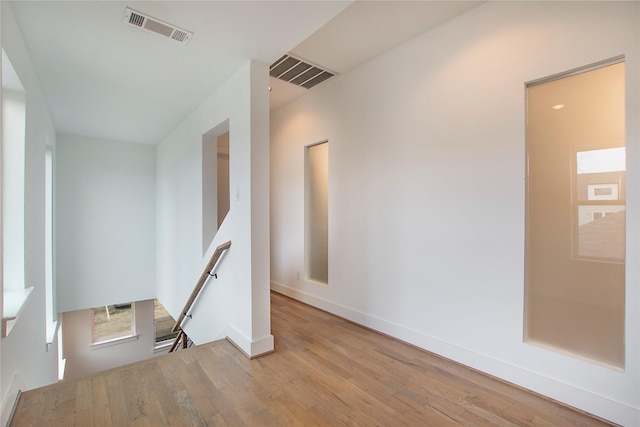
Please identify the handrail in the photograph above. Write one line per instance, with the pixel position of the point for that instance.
(208, 272)
(181, 336)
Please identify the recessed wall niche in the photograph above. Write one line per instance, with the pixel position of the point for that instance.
(215, 181)
(317, 212)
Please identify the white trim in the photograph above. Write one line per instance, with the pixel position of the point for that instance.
(241, 341)
(14, 302)
(162, 346)
(592, 189)
(116, 341)
(52, 331)
(262, 346)
(250, 348)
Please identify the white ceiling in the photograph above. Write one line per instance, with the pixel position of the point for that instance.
(105, 79)
(363, 31)
(367, 29)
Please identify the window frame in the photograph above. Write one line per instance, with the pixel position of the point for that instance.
(164, 343)
(15, 292)
(131, 335)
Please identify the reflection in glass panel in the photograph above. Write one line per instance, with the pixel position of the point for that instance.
(575, 223)
(601, 212)
(598, 161)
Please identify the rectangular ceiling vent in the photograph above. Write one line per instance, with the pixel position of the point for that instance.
(147, 23)
(298, 72)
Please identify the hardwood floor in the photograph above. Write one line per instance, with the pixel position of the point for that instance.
(325, 372)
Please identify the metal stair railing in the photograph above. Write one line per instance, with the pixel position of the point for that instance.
(208, 272)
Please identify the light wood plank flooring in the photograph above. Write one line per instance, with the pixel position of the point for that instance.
(325, 372)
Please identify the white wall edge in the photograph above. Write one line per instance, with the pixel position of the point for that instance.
(52, 333)
(566, 393)
(14, 301)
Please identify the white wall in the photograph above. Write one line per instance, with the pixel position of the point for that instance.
(105, 222)
(426, 191)
(25, 361)
(83, 359)
(237, 303)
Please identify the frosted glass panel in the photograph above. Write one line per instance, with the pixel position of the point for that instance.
(318, 212)
(576, 215)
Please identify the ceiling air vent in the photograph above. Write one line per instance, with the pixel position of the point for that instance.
(298, 72)
(147, 23)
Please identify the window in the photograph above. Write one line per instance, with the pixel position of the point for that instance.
(48, 251)
(317, 212)
(163, 323)
(576, 214)
(13, 194)
(113, 322)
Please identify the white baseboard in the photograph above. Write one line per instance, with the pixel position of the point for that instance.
(251, 348)
(262, 346)
(600, 406)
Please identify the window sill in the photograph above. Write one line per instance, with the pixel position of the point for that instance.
(163, 346)
(52, 331)
(13, 305)
(115, 341)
